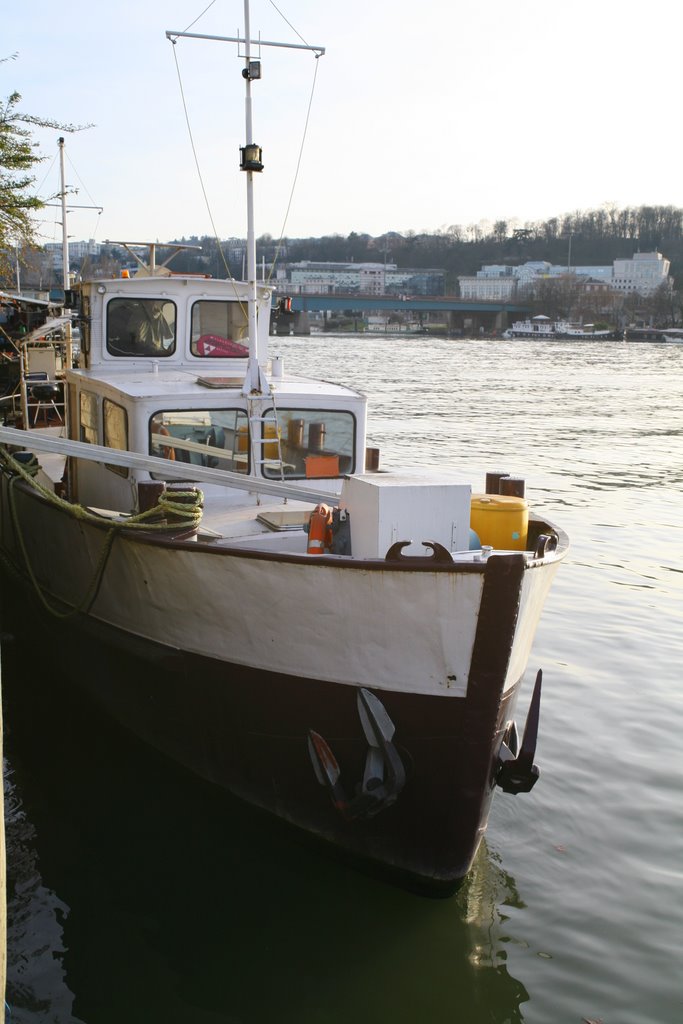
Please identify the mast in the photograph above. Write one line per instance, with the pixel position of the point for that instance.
(65, 237)
(251, 162)
(66, 270)
(255, 381)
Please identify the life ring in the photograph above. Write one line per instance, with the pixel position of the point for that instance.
(319, 530)
(166, 451)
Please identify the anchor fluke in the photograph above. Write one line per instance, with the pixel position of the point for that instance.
(384, 775)
(519, 774)
(326, 769)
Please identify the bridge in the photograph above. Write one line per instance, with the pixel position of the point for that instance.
(456, 314)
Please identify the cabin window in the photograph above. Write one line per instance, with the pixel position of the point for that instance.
(141, 327)
(313, 442)
(88, 426)
(219, 330)
(115, 431)
(215, 438)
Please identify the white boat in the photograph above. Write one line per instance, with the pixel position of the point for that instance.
(216, 567)
(551, 330)
(584, 332)
(674, 335)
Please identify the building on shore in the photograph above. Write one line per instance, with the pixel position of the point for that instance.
(308, 277)
(642, 275)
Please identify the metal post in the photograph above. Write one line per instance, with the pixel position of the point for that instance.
(65, 237)
(23, 390)
(252, 380)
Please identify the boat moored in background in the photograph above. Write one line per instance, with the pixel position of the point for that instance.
(643, 334)
(557, 330)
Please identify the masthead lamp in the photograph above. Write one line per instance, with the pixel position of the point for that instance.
(252, 71)
(250, 157)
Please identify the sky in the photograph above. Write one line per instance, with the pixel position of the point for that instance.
(424, 113)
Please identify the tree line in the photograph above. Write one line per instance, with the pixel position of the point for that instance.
(585, 238)
(588, 238)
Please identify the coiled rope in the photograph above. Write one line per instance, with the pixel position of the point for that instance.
(175, 511)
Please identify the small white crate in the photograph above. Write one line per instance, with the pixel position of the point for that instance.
(409, 506)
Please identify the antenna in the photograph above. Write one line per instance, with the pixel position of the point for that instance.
(250, 162)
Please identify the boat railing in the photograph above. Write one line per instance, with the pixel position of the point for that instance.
(38, 441)
(44, 355)
(43, 394)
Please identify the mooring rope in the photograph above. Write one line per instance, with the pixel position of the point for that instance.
(183, 506)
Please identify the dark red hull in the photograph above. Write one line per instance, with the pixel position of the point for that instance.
(247, 731)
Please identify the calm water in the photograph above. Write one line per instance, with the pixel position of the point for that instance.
(141, 895)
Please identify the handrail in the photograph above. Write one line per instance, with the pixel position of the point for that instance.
(35, 440)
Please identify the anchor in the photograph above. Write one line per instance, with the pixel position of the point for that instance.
(517, 772)
(384, 775)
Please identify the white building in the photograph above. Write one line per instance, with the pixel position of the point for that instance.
(307, 277)
(488, 289)
(77, 251)
(644, 274)
(495, 282)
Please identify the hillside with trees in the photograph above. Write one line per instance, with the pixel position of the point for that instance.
(593, 237)
(586, 238)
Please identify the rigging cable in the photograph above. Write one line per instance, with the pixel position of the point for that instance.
(196, 157)
(196, 160)
(296, 33)
(303, 140)
(45, 222)
(95, 206)
(188, 27)
(296, 172)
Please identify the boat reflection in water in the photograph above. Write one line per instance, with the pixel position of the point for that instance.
(140, 893)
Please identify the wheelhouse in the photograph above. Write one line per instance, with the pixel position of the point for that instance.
(163, 373)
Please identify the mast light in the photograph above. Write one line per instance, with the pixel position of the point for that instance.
(250, 157)
(252, 71)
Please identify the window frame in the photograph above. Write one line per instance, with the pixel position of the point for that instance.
(243, 340)
(84, 393)
(241, 414)
(119, 470)
(144, 351)
(310, 415)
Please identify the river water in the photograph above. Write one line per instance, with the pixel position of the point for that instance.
(139, 894)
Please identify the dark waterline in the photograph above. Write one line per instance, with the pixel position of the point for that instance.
(138, 893)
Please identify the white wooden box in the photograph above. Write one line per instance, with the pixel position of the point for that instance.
(412, 506)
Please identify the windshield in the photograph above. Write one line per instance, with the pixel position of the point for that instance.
(215, 438)
(141, 327)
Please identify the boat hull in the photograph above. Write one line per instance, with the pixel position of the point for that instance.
(140, 649)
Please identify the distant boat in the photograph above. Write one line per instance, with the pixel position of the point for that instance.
(643, 334)
(586, 332)
(384, 327)
(673, 335)
(543, 327)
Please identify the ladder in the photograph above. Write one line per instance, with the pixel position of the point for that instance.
(258, 424)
